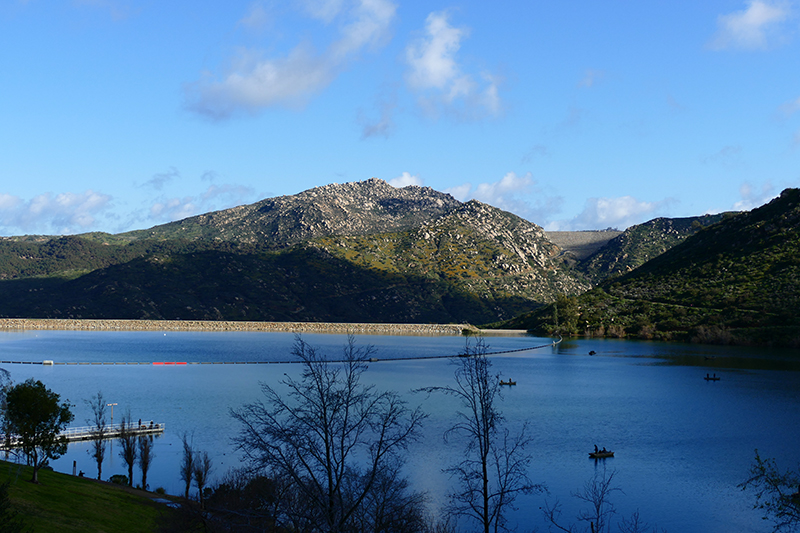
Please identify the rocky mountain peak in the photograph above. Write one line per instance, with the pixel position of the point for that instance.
(354, 208)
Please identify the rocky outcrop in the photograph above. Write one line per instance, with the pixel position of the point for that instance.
(357, 208)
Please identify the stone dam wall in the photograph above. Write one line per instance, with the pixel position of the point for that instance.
(24, 324)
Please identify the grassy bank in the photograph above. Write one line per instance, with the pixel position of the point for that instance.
(62, 502)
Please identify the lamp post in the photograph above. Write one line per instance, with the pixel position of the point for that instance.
(112, 414)
(111, 459)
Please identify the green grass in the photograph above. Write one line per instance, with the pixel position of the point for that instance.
(62, 502)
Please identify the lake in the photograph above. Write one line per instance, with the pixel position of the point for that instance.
(682, 443)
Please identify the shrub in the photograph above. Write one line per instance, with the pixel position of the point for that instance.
(119, 479)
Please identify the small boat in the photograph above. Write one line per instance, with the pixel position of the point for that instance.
(711, 378)
(602, 454)
(509, 382)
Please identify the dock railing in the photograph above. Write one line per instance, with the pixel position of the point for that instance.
(80, 433)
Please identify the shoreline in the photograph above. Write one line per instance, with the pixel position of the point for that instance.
(65, 324)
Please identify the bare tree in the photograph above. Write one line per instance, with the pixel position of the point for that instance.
(146, 456)
(494, 470)
(596, 492)
(5, 384)
(5, 430)
(391, 506)
(331, 437)
(97, 450)
(777, 493)
(127, 440)
(200, 473)
(187, 464)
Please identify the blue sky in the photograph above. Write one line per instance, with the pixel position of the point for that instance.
(123, 114)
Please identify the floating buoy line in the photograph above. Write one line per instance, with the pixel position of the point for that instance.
(48, 362)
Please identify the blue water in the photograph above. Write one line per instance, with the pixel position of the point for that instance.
(682, 444)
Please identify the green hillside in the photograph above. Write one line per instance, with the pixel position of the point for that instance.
(735, 281)
(302, 283)
(640, 243)
(64, 503)
(363, 252)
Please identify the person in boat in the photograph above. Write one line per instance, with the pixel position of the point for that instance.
(595, 448)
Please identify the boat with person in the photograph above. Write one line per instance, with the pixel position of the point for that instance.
(509, 382)
(600, 453)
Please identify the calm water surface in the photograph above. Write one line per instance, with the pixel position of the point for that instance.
(682, 444)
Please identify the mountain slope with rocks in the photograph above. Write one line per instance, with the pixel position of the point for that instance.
(358, 208)
(734, 281)
(641, 243)
(363, 251)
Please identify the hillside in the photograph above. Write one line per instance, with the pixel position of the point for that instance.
(361, 251)
(639, 244)
(735, 281)
(65, 503)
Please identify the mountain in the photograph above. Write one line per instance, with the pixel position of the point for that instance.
(737, 280)
(371, 206)
(361, 251)
(639, 244)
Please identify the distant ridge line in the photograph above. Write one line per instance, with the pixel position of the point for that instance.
(63, 324)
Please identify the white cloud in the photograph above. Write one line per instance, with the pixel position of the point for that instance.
(214, 198)
(325, 10)
(752, 197)
(171, 209)
(520, 195)
(751, 28)
(432, 59)
(502, 193)
(253, 83)
(51, 213)
(404, 180)
(257, 17)
(224, 196)
(460, 192)
(620, 212)
(490, 98)
(435, 74)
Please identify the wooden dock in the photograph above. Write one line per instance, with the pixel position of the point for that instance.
(77, 434)
(111, 432)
